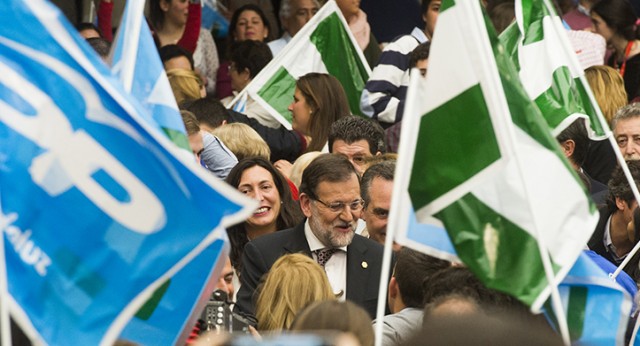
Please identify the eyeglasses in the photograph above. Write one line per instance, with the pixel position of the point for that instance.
(338, 207)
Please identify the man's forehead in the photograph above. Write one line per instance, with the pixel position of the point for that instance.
(303, 4)
(626, 123)
(360, 146)
(327, 187)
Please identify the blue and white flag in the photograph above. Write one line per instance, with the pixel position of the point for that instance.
(135, 61)
(597, 308)
(97, 208)
(170, 315)
(429, 237)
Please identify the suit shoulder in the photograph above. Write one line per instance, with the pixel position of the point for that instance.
(274, 238)
(370, 244)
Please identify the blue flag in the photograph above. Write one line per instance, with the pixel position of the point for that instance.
(97, 208)
(597, 308)
(135, 61)
(172, 312)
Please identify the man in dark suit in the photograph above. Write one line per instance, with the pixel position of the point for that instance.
(330, 199)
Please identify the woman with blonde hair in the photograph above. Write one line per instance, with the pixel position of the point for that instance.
(294, 281)
(242, 140)
(608, 88)
(186, 85)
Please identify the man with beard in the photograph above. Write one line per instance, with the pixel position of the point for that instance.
(330, 199)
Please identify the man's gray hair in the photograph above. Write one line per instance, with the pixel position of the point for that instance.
(285, 8)
(627, 112)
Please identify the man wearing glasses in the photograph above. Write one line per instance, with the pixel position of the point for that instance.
(330, 199)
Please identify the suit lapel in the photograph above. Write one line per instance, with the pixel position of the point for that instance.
(298, 242)
(357, 269)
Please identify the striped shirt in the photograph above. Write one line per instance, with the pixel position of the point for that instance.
(385, 92)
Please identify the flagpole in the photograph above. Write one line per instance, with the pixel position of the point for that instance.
(503, 109)
(603, 123)
(382, 290)
(5, 317)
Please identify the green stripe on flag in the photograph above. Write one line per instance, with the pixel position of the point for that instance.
(484, 240)
(447, 5)
(278, 90)
(347, 68)
(178, 138)
(438, 169)
(146, 310)
(576, 311)
(561, 99)
(528, 118)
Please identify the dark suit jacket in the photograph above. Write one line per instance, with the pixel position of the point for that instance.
(363, 280)
(595, 243)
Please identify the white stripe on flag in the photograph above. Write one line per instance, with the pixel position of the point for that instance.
(537, 61)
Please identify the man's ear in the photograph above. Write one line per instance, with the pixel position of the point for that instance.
(568, 147)
(393, 288)
(621, 204)
(305, 204)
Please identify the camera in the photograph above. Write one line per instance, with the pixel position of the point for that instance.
(217, 316)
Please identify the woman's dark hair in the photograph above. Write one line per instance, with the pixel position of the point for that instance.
(252, 55)
(290, 213)
(156, 15)
(88, 26)
(328, 102)
(171, 51)
(619, 16)
(234, 18)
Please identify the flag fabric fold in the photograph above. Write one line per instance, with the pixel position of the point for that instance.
(324, 45)
(597, 308)
(477, 156)
(97, 208)
(136, 63)
(549, 69)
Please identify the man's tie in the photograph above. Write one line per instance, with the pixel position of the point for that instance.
(324, 255)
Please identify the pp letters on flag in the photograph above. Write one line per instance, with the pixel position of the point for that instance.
(479, 158)
(97, 208)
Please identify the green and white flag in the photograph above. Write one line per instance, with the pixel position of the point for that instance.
(549, 68)
(477, 156)
(325, 45)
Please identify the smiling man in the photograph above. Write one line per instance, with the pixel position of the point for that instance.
(330, 199)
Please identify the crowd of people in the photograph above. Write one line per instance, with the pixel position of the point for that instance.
(310, 256)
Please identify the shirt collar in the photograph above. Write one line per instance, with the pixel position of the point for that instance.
(419, 35)
(608, 243)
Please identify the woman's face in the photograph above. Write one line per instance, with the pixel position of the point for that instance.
(250, 27)
(175, 11)
(349, 7)
(431, 17)
(257, 183)
(300, 112)
(600, 27)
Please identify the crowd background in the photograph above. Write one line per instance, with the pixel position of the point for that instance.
(325, 185)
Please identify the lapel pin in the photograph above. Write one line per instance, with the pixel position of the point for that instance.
(365, 264)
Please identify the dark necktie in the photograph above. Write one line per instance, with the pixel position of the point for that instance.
(324, 255)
